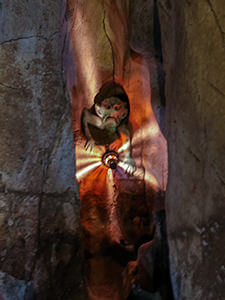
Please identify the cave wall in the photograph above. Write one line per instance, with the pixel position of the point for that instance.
(39, 208)
(193, 42)
(39, 221)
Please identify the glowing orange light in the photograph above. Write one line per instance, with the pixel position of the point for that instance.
(85, 161)
(84, 171)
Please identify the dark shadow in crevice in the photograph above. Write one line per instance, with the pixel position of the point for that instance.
(159, 65)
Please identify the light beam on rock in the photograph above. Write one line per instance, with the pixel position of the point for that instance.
(84, 171)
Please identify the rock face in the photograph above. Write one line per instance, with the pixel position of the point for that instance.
(14, 289)
(39, 206)
(152, 265)
(193, 50)
(39, 215)
(144, 38)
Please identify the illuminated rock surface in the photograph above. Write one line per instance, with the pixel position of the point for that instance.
(116, 210)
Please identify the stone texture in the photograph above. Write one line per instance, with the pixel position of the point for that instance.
(39, 224)
(153, 262)
(145, 39)
(193, 51)
(14, 289)
(39, 218)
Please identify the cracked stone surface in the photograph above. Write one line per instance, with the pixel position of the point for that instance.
(193, 52)
(39, 207)
(13, 289)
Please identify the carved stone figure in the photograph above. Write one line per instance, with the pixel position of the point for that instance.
(108, 121)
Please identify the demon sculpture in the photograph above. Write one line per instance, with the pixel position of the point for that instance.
(107, 121)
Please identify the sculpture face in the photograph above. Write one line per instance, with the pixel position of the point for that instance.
(112, 111)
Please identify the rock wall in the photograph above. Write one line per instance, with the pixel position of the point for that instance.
(39, 223)
(39, 215)
(193, 51)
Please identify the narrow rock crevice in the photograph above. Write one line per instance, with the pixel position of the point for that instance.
(10, 87)
(47, 38)
(109, 40)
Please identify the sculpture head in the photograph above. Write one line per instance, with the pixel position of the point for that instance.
(112, 104)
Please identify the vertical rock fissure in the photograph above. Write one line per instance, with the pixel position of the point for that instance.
(159, 65)
(108, 38)
(217, 21)
(45, 169)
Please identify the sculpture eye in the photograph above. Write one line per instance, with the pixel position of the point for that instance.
(117, 106)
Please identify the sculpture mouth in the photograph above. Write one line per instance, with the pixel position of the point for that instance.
(114, 119)
(110, 159)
